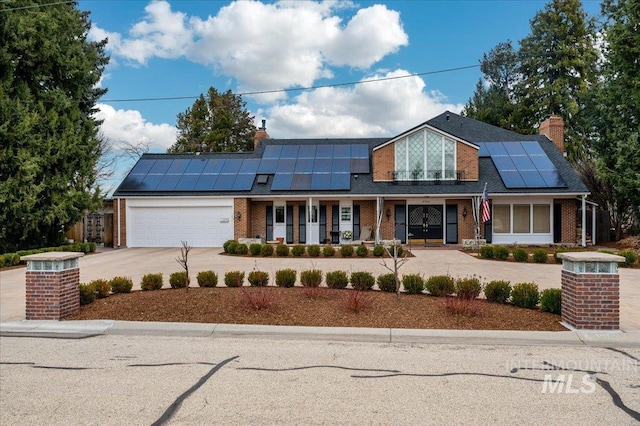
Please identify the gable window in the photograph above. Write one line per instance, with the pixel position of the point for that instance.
(425, 155)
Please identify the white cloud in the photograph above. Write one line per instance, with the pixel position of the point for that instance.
(374, 109)
(129, 126)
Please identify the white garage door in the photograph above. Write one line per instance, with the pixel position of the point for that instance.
(208, 226)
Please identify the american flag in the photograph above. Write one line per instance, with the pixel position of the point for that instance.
(486, 212)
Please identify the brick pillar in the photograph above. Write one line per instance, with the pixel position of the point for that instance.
(590, 290)
(52, 285)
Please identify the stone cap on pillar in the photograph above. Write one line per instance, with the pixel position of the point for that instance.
(52, 261)
(590, 262)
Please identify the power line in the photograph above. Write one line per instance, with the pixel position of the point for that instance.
(33, 6)
(295, 89)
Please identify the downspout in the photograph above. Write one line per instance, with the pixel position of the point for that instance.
(584, 221)
(379, 208)
(593, 225)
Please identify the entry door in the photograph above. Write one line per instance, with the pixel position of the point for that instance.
(452, 223)
(425, 222)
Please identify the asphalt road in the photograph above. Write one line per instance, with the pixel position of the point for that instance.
(142, 380)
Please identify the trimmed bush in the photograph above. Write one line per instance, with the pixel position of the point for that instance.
(226, 244)
(540, 255)
(378, 251)
(551, 300)
(387, 282)
(497, 291)
(486, 252)
(258, 278)
(362, 280)
(556, 252)
(178, 279)
(399, 250)
(501, 252)
(520, 255)
(286, 278)
(328, 251)
(440, 285)
(282, 250)
(346, 250)
(102, 288)
(266, 250)
(311, 278)
(152, 281)
(207, 279)
(630, 257)
(255, 249)
(362, 251)
(337, 279)
(298, 250)
(242, 249)
(232, 247)
(121, 285)
(525, 295)
(234, 279)
(468, 288)
(314, 250)
(413, 283)
(87, 294)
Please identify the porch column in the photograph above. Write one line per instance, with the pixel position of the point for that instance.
(593, 224)
(584, 221)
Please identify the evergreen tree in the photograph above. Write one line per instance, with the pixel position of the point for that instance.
(217, 122)
(48, 136)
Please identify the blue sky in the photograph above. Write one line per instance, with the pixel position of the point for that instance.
(181, 48)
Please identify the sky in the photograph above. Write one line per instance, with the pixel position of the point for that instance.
(424, 53)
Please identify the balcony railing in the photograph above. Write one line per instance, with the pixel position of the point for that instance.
(427, 176)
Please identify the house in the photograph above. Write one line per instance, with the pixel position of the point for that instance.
(424, 184)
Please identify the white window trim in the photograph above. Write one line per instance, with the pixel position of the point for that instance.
(520, 237)
(443, 163)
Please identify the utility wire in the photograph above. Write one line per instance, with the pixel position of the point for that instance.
(33, 6)
(295, 89)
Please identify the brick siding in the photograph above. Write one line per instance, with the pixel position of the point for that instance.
(591, 301)
(52, 295)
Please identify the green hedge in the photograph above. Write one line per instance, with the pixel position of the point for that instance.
(11, 259)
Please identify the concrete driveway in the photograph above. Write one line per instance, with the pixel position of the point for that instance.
(135, 262)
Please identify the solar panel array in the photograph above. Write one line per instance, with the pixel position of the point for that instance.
(522, 164)
(294, 167)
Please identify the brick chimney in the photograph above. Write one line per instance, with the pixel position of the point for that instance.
(553, 128)
(261, 133)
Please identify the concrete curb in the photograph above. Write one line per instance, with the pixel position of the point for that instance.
(84, 329)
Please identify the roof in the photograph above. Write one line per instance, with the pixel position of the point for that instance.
(359, 182)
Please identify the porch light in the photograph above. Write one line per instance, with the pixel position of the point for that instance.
(464, 212)
(388, 214)
(239, 215)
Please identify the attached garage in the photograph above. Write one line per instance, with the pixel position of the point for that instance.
(166, 222)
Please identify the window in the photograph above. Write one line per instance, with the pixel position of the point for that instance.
(314, 214)
(345, 214)
(541, 219)
(521, 219)
(526, 218)
(425, 155)
(279, 214)
(502, 218)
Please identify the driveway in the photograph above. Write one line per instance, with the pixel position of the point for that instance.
(135, 262)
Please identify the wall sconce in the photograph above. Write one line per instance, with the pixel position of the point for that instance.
(388, 214)
(239, 215)
(464, 212)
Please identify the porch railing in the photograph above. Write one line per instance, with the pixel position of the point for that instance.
(427, 176)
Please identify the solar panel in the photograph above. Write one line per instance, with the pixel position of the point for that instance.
(512, 179)
(307, 151)
(360, 151)
(168, 182)
(161, 166)
(532, 179)
(342, 151)
(324, 151)
(268, 166)
(289, 151)
(187, 183)
(322, 165)
(341, 165)
(142, 167)
(523, 164)
(250, 165)
(272, 151)
(321, 181)
(231, 166)
(213, 166)
(359, 165)
(482, 151)
(195, 166)
(542, 162)
(340, 181)
(244, 181)
(514, 148)
(282, 182)
(205, 183)
(496, 148)
(132, 183)
(533, 148)
(224, 182)
(178, 166)
(552, 178)
(304, 165)
(150, 182)
(286, 165)
(301, 181)
(503, 162)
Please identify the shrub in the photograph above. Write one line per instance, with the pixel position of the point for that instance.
(314, 250)
(551, 300)
(466, 306)
(525, 295)
(556, 252)
(87, 294)
(286, 278)
(413, 283)
(152, 281)
(178, 279)
(346, 250)
(101, 287)
(486, 252)
(497, 291)
(259, 298)
(399, 250)
(298, 250)
(207, 279)
(520, 255)
(328, 251)
(440, 285)
(357, 300)
(378, 251)
(242, 249)
(254, 249)
(387, 282)
(258, 278)
(501, 252)
(282, 250)
(232, 247)
(540, 255)
(629, 257)
(337, 279)
(468, 288)
(234, 279)
(266, 250)
(362, 251)
(311, 278)
(121, 284)
(226, 245)
(362, 280)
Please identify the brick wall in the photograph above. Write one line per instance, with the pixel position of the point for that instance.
(553, 128)
(384, 162)
(466, 227)
(241, 226)
(467, 161)
(568, 207)
(52, 295)
(591, 301)
(367, 215)
(120, 222)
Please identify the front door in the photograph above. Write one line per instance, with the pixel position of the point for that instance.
(425, 222)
